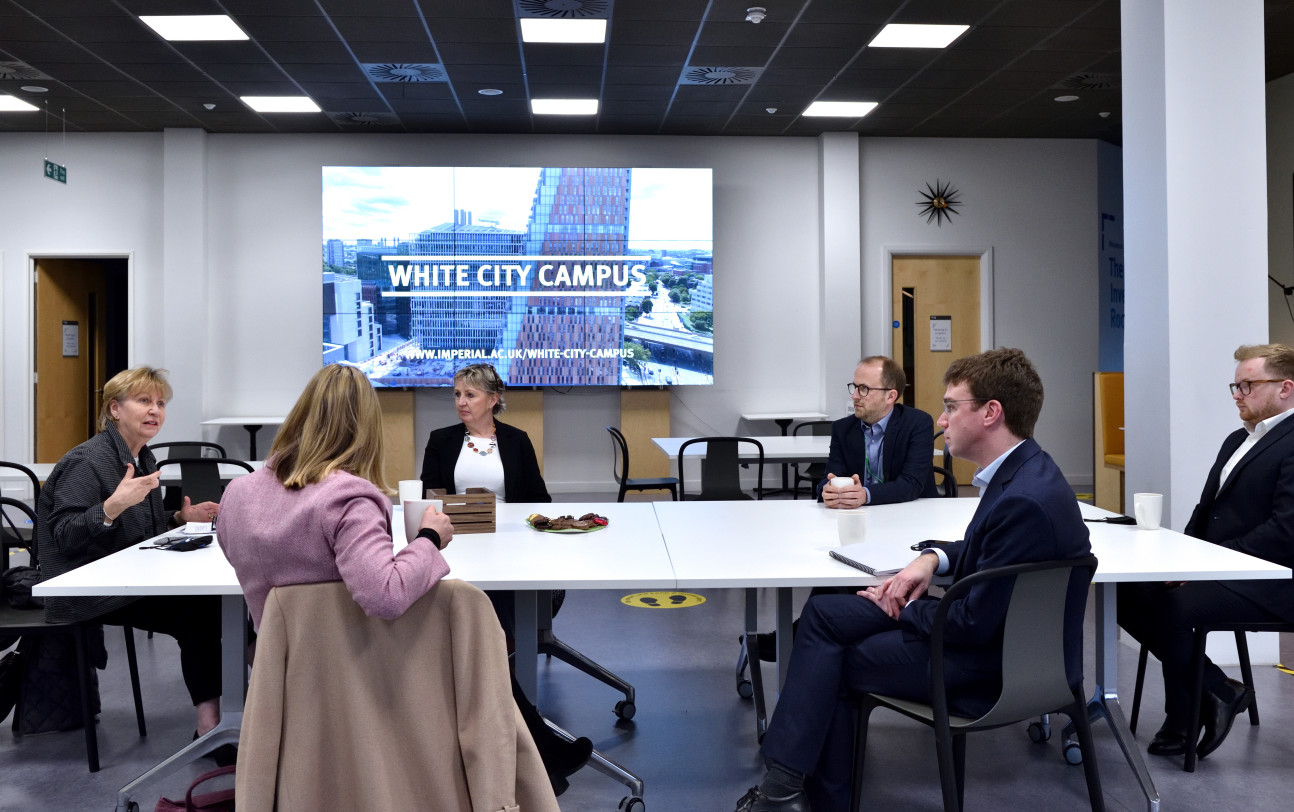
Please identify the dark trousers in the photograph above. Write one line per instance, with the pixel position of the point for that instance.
(1163, 619)
(194, 622)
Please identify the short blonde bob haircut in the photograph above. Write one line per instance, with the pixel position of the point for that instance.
(127, 384)
(485, 378)
(336, 425)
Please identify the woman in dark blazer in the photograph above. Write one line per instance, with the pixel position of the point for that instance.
(481, 452)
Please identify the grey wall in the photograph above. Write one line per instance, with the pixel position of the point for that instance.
(250, 277)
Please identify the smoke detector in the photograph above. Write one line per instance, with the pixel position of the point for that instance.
(756, 15)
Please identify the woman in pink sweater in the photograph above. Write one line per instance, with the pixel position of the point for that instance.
(319, 510)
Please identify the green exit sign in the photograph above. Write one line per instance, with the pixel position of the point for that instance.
(56, 172)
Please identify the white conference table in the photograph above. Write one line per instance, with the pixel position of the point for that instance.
(784, 544)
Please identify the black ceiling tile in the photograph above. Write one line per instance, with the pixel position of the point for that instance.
(307, 52)
(798, 77)
(742, 34)
(415, 90)
(1065, 61)
(730, 57)
(590, 77)
(71, 71)
(972, 60)
(498, 108)
(925, 95)
(238, 88)
(643, 76)
(134, 52)
(650, 55)
(101, 120)
(948, 78)
(1000, 98)
(1022, 80)
(1106, 15)
(220, 51)
(111, 87)
(557, 90)
(707, 92)
(91, 29)
(322, 72)
(381, 29)
(657, 10)
(355, 105)
(145, 104)
(485, 75)
(24, 29)
(1113, 63)
(260, 8)
(460, 53)
(1001, 38)
(289, 29)
(692, 125)
(488, 31)
(702, 108)
(425, 107)
(1049, 14)
(871, 77)
(853, 12)
(900, 109)
(623, 33)
(628, 108)
(898, 58)
(286, 123)
(243, 73)
(817, 58)
(396, 52)
(835, 35)
(582, 56)
(1081, 39)
(637, 94)
(333, 91)
(38, 53)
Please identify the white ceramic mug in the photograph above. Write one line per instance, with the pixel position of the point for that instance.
(413, 510)
(851, 525)
(1148, 508)
(410, 489)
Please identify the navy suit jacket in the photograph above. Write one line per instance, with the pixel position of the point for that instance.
(907, 456)
(1254, 511)
(1027, 513)
(522, 481)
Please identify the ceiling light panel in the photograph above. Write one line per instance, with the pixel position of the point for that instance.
(840, 109)
(10, 104)
(900, 35)
(194, 27)
(280, 104)
(564, 31)
(564, 107)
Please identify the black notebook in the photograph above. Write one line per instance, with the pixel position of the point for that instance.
(873, 558)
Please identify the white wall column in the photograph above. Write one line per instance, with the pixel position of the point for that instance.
(841, 327)
(1195, 195)
(185, 299)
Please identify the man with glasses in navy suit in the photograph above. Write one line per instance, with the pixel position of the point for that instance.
(1247, 505)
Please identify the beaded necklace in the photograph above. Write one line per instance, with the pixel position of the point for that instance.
(467, 438)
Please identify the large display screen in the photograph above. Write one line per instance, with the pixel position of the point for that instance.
(556, 276)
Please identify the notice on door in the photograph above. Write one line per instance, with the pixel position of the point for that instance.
(941, 333)
(71, 339)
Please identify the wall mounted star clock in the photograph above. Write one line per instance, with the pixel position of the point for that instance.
(940, 203)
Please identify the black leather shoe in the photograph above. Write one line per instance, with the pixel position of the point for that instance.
(562, 758)
(1218, 710)
(757, 801)
(765, 646)
(1167, 743)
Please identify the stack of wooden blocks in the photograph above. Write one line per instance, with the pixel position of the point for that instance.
(471, 512)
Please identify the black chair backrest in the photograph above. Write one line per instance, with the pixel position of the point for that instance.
(815, 428)
(35, 482)
(13, 516)
(200, 476)
(619, 465)
(721, 468)
(189, 449)
(949, 485)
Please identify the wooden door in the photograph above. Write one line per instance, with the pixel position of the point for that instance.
(71, 367)
(934, 298)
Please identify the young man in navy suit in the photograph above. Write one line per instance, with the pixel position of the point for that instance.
(879, 639)
(1247, 505)
(886, 448)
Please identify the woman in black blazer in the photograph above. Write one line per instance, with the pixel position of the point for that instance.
(481, 452)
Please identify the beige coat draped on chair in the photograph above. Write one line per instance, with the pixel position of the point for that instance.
(345, 711)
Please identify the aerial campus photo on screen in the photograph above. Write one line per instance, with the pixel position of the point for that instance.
(556, 276)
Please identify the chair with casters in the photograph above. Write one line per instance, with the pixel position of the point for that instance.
(31, 622)
(200, 476)
(620, 470)
(1046, 609)
(947, 481)
(18, 535)
(814, 472)
(1197, 661)
(721, 468)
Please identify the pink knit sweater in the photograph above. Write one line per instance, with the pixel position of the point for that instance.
(335, 530)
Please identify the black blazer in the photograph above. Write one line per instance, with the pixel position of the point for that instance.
(907, 456)
(1254, 511)
(522, 481)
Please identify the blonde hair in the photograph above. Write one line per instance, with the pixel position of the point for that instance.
(336, 425)
(1277, 358)
(485, 378)
(130, 382)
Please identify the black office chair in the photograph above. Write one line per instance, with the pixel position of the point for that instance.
(31, 622)
(1048, 600)
(814, 472)
(620, 470)
(948, 485)
(200, 476)
(1197, 659)
(18, 535)
(721, 468)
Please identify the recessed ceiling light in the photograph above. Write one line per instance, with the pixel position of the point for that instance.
(35, 89)
(564, 107)
(1066, 98)
(897, 35)
(578, 31)
(182, 27)
(490, 91)
(840, 109)
(10, 104)
(280, 104)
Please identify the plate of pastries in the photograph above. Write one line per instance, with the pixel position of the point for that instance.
(587, 523)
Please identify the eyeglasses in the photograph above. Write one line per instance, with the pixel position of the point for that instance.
(863, 390)
(950, 406)
(1246, 387)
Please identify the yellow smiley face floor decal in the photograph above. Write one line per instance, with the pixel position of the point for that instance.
(662, 600)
